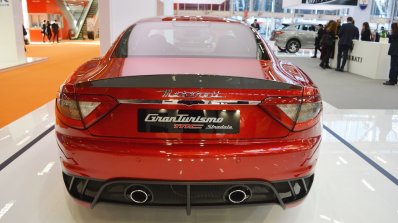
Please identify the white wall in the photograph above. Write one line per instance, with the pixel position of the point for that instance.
(361, 16)
(168, 7)
(116, 15)
(11, 38)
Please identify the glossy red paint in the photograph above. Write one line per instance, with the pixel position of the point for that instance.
(265, 149)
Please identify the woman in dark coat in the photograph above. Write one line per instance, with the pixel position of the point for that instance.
(48, 31)
(365, 33)
(393, 52)
(328, 41)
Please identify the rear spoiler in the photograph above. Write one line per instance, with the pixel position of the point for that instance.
(188, 81)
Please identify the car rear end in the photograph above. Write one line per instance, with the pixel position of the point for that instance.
(187, 138)
(278, 31)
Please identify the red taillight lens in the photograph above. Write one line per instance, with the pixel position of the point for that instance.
(82, 111)
(309, 113)
(294, 113)
(94, 107)
(279, 32)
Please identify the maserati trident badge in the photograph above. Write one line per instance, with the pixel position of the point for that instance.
(190, 94)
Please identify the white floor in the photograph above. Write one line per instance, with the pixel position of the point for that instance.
(346, 187)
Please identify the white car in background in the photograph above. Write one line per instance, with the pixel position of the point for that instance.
(292, 37)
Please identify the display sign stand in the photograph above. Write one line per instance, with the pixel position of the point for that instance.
(12, 40)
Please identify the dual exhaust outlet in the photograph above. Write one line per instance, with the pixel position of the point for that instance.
(238, 194)
(140, 194)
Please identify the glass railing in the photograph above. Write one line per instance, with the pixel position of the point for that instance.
(78, 11)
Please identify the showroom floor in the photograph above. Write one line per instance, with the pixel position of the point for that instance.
(356, 177)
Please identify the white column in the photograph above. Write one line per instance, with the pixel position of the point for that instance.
(116, 15)
(25, 16)
(360, 16)
(11, 39)
(168, 7)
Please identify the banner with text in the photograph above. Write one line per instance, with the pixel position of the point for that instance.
(332, 2)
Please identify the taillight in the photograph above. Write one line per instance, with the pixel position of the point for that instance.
(82, 111)
(279, 32)
(293, 112)
(309, 114)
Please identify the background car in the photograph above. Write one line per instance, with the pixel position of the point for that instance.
(295, 36)
(189, 111)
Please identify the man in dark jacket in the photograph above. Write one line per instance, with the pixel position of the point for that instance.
(347, 33)
(393, 52)
(55, 29)
(318, 39)
(255, 25)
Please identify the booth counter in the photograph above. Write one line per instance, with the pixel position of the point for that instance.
(368, 59)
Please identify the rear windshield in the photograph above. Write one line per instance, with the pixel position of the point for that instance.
(190, 39)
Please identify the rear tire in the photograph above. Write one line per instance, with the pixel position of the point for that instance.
(293, 46)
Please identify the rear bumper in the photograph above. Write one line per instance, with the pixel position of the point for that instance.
(107, 159)
(185, 193)
(280, 42)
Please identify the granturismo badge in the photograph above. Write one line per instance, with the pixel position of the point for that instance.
(189, 121)
(182, 118)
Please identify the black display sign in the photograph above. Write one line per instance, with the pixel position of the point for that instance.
(189, 121)
(331, 2)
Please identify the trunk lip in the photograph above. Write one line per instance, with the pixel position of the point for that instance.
(194, 81)
(187, 102)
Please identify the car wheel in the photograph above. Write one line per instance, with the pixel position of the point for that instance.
(281, 49)
(293, 46)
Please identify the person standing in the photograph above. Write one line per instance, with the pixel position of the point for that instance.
(338, 25)
(383, 32)
(393, 52)
(328, 42)
(318, 40)
(347, 33)
(365, 32)
(44, 30)
(55, 29)
(376, 36)
(48, 31)
(255, 25)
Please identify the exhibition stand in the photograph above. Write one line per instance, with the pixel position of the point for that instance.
(368, 59)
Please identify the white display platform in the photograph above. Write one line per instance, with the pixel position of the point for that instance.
(6, 66)
(368, 59)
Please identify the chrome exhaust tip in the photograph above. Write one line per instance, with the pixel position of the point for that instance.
(139, 194)
(238, 194)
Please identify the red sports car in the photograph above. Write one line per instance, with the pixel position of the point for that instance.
(188, 111)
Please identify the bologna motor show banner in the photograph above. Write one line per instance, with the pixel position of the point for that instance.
(331, 2)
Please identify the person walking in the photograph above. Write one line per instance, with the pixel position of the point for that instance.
(328, 42)
(347, 33)
(365, 32)
(318, 40)
(393, 52)
(55, 29)
(44, 30)
(48, 31)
